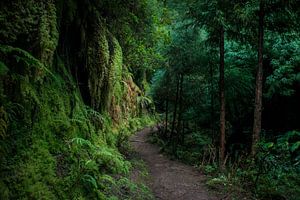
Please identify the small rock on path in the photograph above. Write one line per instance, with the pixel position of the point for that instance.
(169, 180)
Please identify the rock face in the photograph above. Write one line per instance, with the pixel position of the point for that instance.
(61, 77)
(30, 25)
(75, 33)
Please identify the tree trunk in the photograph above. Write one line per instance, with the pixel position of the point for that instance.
(182, 133)
(212, 103)
(167, 111)
(222, 100)
(180, 107)
(167, 104)
(175, 109)
(259, 82)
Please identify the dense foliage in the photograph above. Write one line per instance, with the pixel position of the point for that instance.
(187, 93)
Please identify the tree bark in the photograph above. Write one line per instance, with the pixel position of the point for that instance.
(222, 100)
(259, 82)
(167, 107)
(175, 109)
(212, 103)
(167, 103)
(180, 107)
(167, 111)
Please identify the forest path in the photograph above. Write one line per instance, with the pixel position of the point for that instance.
(169, 180)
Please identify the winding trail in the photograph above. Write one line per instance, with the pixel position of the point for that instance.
(169, 180)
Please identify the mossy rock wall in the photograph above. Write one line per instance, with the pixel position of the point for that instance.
(30, 25)
(104, 64)
(64, 93)
(36, 26)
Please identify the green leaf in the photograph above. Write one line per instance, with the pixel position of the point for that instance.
(269, 145)
(295, 146)
(3, 69)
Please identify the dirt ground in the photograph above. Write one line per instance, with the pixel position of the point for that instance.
(169, 180)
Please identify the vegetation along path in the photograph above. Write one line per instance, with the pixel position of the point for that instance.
(169, 179)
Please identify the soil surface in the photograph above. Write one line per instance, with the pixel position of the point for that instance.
(169, 180)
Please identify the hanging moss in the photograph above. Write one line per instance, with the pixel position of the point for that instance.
(132, 91)
(115, 75)
(33, 28)
(48, 34)
(98, 64)
(24, 29)
(115, 80)
(104, 63)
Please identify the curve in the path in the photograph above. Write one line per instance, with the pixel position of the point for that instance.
(170, 180)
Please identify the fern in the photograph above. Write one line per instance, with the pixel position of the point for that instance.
(91, 165)
(12, 110)
(21, 55)
(78, 120)
(3, 69)
(82, 142)
(144, 102)
(3, 123)
(93, 115)
(90, 181)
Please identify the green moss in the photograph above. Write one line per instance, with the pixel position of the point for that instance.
(38, 178)
(48, 34)
(98, 65)
(115, 77)
(104, 64)
(33, 28)
(26, 22)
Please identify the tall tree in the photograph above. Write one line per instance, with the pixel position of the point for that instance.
(214, 23)
(222, 99)
(179, 121)
(175, 106)
(278, 13)
(259, 81)
(167, 103)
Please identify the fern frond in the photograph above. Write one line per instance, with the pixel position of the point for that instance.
(3, 123)
(82, 142)
(90, 180)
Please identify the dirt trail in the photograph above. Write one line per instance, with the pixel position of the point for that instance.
(170, 180)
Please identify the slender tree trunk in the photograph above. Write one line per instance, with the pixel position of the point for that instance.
(222, 100)
(175, 108)
(167, 104)
(179, 121)
(167, 111)
(182, 132)
(259, 82)
(167, 114)
(212, 103)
